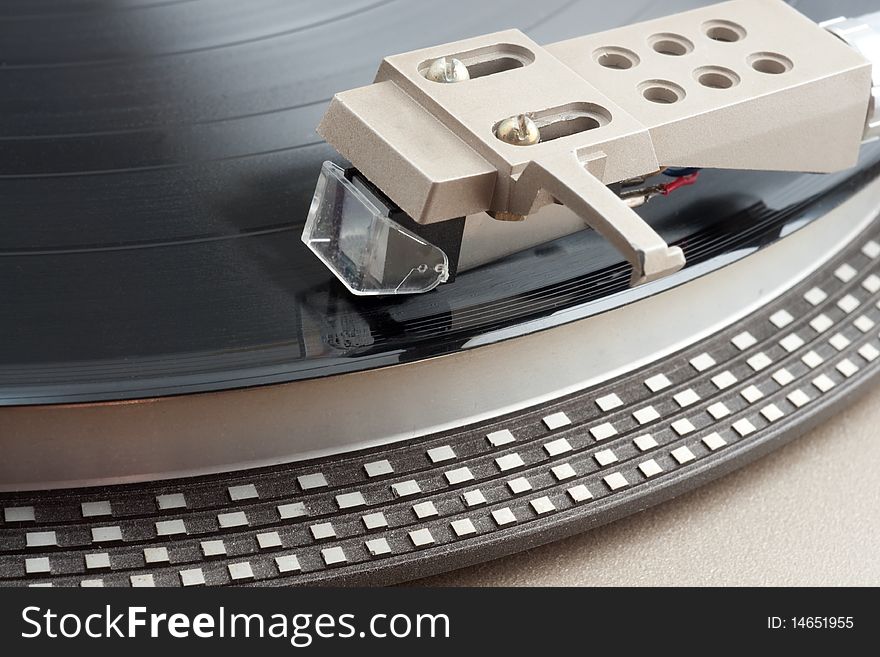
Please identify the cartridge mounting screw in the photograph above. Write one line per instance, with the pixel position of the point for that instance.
(518, 130)
(447, 69)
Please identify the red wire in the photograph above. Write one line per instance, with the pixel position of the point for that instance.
(681, 181)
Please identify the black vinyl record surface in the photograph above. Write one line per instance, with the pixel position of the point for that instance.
(157, 160)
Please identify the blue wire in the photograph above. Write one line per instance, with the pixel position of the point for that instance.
(678, 173)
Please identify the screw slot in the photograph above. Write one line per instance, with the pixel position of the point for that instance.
(716, 77)
(662, 92)
(477, 63)
(616, 58)
(724, 31)
(670, 44)
(770, 63)
(553, 123)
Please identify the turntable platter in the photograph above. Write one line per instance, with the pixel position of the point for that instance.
(156, 168)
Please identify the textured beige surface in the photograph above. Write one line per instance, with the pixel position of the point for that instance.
(807, 514)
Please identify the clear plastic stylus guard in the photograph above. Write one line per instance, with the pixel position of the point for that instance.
(368, 251)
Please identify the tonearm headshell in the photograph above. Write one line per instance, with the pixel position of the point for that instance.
(498, 124)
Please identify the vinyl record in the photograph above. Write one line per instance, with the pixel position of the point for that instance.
(157, 161)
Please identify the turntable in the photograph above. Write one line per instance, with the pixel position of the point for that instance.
(212, 373)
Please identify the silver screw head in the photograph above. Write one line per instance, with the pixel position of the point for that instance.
(518, 130)
(447, 69)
